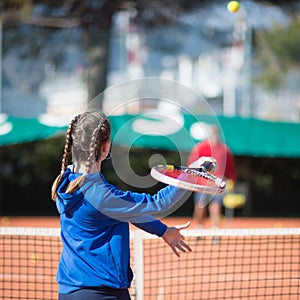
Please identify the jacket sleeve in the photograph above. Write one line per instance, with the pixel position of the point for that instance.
(150, 225)
(126, 206)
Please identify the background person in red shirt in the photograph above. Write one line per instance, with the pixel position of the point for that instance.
(212, 147)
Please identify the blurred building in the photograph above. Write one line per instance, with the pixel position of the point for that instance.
(209, 51)
(216, 61)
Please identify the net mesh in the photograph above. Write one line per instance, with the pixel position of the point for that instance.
(28, 264)
(224, 264)
(225, 267)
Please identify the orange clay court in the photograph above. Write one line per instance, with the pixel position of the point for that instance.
(28, 272)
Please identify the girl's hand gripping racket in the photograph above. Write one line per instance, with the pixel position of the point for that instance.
(191, 179)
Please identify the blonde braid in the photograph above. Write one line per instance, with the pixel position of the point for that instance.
(86, 144)
(75, 184)
(64, 164)
(103, 135)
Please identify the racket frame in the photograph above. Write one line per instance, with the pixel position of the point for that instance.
(193, 187)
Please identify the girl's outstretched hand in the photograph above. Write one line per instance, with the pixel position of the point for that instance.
(175, 239)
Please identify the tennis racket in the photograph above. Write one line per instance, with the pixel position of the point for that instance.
(191, 179)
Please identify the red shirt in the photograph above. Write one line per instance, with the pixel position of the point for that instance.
(224, 157)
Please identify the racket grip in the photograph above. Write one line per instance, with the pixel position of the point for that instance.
(221, 183)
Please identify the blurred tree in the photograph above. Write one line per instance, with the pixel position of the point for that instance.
(95, 19)
(278, 52)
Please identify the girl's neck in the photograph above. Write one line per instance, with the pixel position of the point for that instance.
(80, 168)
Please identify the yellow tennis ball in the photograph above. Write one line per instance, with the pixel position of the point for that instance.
(34, 258)
(5, 221)
(233, 6)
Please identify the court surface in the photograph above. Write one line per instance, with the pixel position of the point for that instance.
(229, 223)
(205, 263)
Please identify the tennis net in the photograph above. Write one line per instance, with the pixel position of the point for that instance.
(224, 264)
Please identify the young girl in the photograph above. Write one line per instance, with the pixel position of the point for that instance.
(95, 216)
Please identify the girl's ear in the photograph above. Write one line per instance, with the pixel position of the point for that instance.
(105, 149)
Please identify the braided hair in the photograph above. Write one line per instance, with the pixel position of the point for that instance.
(86, 133)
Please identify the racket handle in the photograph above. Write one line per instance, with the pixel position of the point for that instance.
(221, 183)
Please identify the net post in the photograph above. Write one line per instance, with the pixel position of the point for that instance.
(138, 263)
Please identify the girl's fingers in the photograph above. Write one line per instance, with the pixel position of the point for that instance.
(184, 226)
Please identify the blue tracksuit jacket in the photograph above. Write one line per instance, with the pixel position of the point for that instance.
(95, 230)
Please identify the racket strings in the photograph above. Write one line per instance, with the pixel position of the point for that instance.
(206, 175)
(192, 179)
(191, 176)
